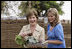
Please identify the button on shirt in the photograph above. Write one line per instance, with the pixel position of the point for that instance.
(39, 32)
(56, 34)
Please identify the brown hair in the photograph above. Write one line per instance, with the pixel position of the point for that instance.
(31, 12)
(55, 13)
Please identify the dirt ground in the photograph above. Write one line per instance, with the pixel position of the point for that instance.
(10, 28)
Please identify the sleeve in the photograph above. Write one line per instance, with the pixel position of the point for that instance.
(22, 30)
(59, 33)
(42, 37)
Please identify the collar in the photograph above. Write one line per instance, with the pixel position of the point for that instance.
(37, 27)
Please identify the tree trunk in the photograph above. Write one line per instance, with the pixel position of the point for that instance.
(29, 4)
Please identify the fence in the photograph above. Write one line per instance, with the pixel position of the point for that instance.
(10, 28)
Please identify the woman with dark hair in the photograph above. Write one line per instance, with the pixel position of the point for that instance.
(32, 29)
(54, 30)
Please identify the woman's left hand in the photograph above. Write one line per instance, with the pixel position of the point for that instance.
(45, 42)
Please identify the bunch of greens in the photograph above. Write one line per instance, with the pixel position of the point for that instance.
(21, 41)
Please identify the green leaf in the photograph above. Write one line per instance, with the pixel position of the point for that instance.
(19, 40)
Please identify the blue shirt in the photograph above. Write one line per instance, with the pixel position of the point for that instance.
(56, 34)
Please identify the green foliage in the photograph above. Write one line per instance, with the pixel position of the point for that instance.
(19, 40)
(38, 5)
(4, 8)
(3, 4)
(23, 7)
(43, 5)
(24, 42)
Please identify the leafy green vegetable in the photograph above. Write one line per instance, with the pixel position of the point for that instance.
(19, 40)
(22, 41)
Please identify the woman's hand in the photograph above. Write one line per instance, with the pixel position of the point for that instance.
(30, 34)
(23, 34)
(45, 42)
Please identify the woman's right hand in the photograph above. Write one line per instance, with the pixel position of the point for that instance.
(23, 34)
(30, 34)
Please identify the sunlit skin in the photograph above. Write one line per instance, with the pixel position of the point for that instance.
(32, 20)
(51, 17)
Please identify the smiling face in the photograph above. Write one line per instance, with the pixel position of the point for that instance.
(32, 20)
(51, 18)
(32, 16)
